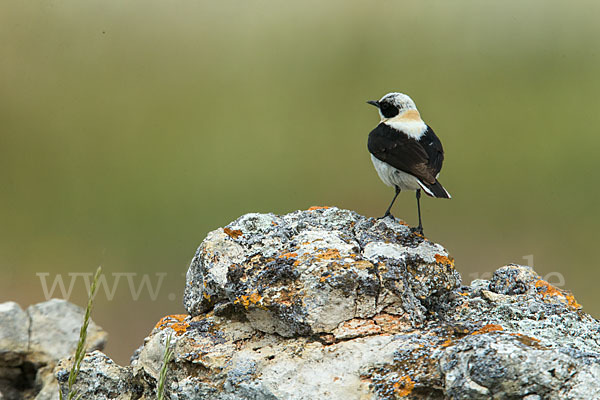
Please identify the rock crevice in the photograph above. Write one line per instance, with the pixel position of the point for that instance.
(33, 340)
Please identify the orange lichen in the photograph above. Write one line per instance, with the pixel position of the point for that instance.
(176, 322)
(324, 278)
(447, 342)
(288, 255)
(404, 386)
(318, 208)
(255, 297)
(521, 335)
(233, 233)
(392, 323)
(444, 260)
(547, 289)
(488, 328)
(206, 295)
(572, 302)
(356, 327)
(285, 297)
(243, 299)
(246, 301)
(528, 340)
(362, 264)
(329, 254)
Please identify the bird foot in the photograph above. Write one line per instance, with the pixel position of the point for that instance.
(387, 214)
(418, 230)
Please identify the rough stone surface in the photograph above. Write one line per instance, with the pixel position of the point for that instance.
(307, 272)
(14, 333)
(55, 326)
(32, 342)
(103, 378)
(326, 304)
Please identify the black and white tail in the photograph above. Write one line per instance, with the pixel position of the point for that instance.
(435, 190)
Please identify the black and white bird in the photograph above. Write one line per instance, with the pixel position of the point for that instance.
(405, 152)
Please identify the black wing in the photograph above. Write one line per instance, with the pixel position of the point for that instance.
(422, 159)
(434, 150)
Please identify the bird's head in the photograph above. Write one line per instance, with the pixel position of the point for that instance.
(394, 105)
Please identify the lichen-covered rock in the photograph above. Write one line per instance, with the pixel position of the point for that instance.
(326, 304)
(219, 358)
(537, 309)
(99, 378)
(506, 365)
(33, 340)
(451, 356)
(307, 272)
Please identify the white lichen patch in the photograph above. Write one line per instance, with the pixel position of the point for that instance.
(222, 252)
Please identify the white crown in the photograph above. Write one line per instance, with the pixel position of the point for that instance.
(400, 100)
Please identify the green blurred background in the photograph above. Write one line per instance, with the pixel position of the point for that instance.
(131, 129)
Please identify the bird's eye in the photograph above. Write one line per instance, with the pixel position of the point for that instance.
(388, 110)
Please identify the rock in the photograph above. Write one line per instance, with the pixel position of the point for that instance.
(327, 304)
(503, 365)
(14, 334)
(305, 273)
(101, 378)
(55, 326)
(513, 279)
(32, 342)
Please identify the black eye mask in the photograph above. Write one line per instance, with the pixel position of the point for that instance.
(388, 110)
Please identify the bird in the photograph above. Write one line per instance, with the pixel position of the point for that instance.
(405, 151)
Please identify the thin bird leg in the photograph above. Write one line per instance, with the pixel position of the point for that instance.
(420, 227)
(387, 212)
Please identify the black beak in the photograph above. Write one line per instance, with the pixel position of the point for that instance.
(373, 103)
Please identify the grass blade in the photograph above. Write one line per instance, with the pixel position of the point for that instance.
(80, 352)
(163, 371)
